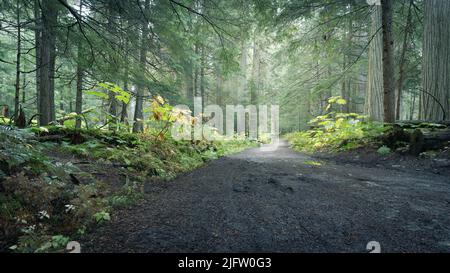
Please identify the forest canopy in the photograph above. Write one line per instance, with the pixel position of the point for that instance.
(388, 61)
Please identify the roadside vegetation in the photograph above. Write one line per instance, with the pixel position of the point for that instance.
(340, 132)
(336, 131)
(58, 182)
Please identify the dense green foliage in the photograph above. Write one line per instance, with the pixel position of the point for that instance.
(337, 131)
(47, 197)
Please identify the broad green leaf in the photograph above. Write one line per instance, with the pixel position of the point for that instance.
(97, 94)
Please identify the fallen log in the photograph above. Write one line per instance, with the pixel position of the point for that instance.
(55, 138)
(412, 124)
(75, 138)
(421, 141)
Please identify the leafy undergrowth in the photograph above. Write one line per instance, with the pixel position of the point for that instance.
(52, 191)
(337, 132)
(351, 138)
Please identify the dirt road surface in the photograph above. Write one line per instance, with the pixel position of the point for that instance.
(284, 201)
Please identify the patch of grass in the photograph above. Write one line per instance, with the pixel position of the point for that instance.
(313, 163)
(228, 147)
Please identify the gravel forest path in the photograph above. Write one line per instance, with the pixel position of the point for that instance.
(283, 201)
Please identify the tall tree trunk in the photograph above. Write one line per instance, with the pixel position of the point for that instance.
(374, 93)
(37, 38)
(47, 45)
(19, 45)
(79, 96)
(320, 104)
(124, 112)
(255, 69)
(241, 90)
(189, 79)
(344, 94)
(327, 94)
(202, 76)
(436, 61)
(138, 125)
(346, 80)
(413, 105)
(24, 84)
(70, 98)
(112, 28)
(61, 101)
(219, 83)
(196, 73)
(112, 111)
(403, 60)
(388, 62)
(52, 72)
(80, 73)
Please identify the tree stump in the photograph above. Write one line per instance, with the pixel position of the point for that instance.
(20, 121)
(394, 137)
(416, 142)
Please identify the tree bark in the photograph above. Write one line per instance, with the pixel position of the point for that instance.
(436, 62)
(388, 62)
(138, 125)
(189, 79)
(52, 71)
(219, 83)
(46, 66)
(196, 73)
(344, 93)
(241, 90)
(113, 75)
(346, 80)
(413, 105)
(374, 93)
(254, 86)
(124, 112)
(24, 84)
(17, 84)
(79, 96)
(37, 38)
(202, 76)
(80, 73)
(403, 61)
